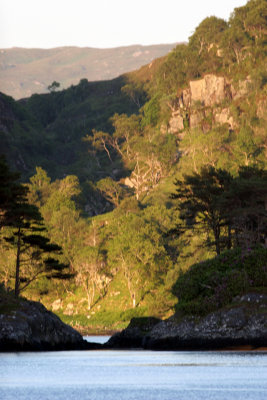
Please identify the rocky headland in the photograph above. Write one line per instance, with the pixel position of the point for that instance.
(31, 327)
(244, 323)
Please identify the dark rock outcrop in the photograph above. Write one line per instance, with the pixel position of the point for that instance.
(244, 323)
(134, 335)
(33, 328)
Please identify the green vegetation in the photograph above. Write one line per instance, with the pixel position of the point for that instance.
(212, 284)
(8, 302)
(32, 250)
(145, 211)
(232, 209)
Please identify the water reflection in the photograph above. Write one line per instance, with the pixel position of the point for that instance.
(97, 339)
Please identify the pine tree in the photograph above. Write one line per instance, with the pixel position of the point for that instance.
(34, 252)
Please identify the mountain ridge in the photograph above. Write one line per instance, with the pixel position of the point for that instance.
(68, 65)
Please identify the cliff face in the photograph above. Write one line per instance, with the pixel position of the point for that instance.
(32, 328)
(206, 97)
(210, 90)
(242, 324)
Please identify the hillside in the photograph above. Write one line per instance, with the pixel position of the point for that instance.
(48, 129)
(28, 71)
(153, 183)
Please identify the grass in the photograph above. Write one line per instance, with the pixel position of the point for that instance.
(111, 313)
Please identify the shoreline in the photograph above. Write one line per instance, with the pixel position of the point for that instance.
(85, 332)
(248, 348)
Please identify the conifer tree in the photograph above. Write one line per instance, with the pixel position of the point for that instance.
(34, 252)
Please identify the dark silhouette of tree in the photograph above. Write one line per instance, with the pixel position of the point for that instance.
(199, 201)
(53, 87)
(34, 252)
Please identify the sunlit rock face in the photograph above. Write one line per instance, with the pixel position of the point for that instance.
(223, 117)
(195, 119)
(209, 91)
(176, 123)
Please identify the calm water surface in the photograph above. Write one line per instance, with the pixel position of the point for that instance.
(133, 375)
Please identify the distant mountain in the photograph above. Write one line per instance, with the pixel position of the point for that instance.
(27, 71)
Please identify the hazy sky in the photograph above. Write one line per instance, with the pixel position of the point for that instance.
(104, 23)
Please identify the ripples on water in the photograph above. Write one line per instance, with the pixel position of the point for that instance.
(133, 375)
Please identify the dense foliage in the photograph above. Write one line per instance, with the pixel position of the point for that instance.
(214, 283)
(131, 202)
(33, 252)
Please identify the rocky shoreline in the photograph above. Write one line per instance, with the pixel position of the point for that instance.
(31, 327)
(243, 325)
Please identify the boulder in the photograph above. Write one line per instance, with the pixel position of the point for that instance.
(195, 119)
(223, 117)
(31, 327)
(176, 123)
(186, 96)
(57, 305)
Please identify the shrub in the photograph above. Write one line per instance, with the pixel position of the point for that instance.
(212, 284)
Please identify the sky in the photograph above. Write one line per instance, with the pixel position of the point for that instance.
(104, 23)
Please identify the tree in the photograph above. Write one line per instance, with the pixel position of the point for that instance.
(233, 209)
(135, 91)
(246, 205)
(10, 191)
(127, 129)
(199, 201)
(256, 19)
(247, 146)
(53, 87)
(62, 218)
(151, 111)
(208, 34)
(35, 255)
(210, 148)
(236, 41)
(136, 247)
(172, 74)
(90, 272)
(33, 250)
(111, 190)
(100, 141)
(39, 187)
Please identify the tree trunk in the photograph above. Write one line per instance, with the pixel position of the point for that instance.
(216, 232)
(133, 299)
(229, 237)
(17, 279)
(107, 151)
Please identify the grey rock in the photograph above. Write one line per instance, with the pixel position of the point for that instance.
(33, 328)
(236, 326)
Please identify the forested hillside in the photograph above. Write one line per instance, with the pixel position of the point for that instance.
(154, 185)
